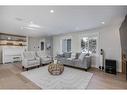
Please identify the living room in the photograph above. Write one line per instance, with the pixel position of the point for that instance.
(52, 47)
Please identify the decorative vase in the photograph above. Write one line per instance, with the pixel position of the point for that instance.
(55, 61)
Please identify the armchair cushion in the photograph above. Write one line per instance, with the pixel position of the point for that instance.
(44, 59)
(30, 59)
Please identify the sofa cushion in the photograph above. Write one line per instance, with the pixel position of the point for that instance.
(77, 55)
(31, 59)
(60, 55)
(67, 54)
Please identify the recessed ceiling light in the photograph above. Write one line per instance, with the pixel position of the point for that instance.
(102, 22)
(51, 11)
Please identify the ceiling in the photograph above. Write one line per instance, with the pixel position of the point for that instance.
(15, 19)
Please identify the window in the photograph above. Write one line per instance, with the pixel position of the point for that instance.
(92, 45)
(66, 45)
(89, 45)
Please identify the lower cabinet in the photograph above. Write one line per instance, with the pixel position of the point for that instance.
(11, 54)
(11, 59)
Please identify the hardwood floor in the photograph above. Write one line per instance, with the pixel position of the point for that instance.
(10, 78)
(102, 80)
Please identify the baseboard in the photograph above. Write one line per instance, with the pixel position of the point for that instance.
(94, 66)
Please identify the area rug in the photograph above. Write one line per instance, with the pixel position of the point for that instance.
(71, 78)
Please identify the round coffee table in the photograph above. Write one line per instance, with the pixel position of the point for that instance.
(55, 69)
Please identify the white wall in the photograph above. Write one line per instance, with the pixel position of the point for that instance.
(0, 54)
(109, 41)
(34, 44)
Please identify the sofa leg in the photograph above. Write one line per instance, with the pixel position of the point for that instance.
(86, 70)
(23, 67)
(26, 69)
(38, 66)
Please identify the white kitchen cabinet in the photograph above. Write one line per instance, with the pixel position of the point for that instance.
(11, 54)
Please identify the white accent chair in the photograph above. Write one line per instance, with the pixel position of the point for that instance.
(44, 59)
(29, 59)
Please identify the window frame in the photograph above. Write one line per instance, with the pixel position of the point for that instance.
(90, 38)
(66, 38)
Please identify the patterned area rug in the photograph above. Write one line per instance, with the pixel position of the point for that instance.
(71, 78)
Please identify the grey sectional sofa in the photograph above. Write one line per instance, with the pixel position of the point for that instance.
(80, 61)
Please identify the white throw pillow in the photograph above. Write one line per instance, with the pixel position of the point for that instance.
(29, 55)
(82, 56)
(73, 56)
